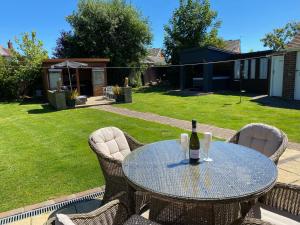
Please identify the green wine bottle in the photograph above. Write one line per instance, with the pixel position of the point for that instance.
(194, 144)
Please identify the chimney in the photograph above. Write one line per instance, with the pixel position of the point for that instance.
(9, 45)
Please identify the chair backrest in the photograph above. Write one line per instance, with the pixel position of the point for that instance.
(264, 138)
(110, 142)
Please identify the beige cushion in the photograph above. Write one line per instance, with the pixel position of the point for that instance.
(274, 216)
(264, 138)
(111, 142)
(64, 219)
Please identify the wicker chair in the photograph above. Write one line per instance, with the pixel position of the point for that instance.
(113, 213)
(266, 139)
(111, 146)
(168, 212)
(280, 206)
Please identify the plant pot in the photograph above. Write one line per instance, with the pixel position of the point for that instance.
(71, 103)
(120, 98)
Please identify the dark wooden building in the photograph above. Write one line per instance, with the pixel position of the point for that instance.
(220, 69)
(88, 80)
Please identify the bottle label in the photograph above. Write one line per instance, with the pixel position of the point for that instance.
(194, 130)
(194, 154)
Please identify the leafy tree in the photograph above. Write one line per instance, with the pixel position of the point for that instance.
(21, 72)
(280, 37)
(110, 29)
(193, 24)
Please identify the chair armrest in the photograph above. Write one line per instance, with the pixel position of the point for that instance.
(133, 143)
(275, 157)
(113, 213)
(285, 197)
(235, 138)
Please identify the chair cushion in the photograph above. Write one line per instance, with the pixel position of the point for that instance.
(274, 216)
(111, 142)
(63, 219)
(264, 138)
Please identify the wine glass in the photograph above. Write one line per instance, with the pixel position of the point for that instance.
(184, 141)
(206, 146)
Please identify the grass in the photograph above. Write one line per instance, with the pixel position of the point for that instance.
(222, 110)
(44, 153)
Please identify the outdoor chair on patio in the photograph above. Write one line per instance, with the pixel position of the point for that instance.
(111, 146)
(266, 139)
(113, 213)
(281, 206)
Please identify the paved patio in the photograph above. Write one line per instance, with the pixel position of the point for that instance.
(96, 101)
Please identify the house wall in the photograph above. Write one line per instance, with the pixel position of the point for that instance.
(256, 85)
(289, 73)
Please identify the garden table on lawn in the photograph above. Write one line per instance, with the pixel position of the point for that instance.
(213, 191)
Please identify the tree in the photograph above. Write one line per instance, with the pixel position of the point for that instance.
(280, 37)
(193, 24)
(109, 29)
(20, 73)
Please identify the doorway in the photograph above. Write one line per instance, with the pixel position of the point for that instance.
(297, 78)
(277, 76)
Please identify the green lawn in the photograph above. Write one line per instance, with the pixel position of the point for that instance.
(221, 110)
(45, 154)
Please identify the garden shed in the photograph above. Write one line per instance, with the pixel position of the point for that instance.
(206, 77)
(89, 77)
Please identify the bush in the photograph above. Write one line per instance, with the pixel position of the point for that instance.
(21, 72)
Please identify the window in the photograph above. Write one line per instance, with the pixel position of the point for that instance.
(98, 76)
(246, 67)
(54, 76)
(237, 66)
(263, 69)
(253, 68)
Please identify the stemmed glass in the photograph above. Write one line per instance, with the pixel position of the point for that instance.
(206, 146)
(184, 141)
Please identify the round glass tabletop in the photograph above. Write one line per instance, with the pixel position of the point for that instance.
(236, 172)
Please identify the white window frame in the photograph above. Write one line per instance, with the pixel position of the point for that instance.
(237, 69)
(53, 86)
(263, 68)
(253, 69)
(101, 77)
(246, 69)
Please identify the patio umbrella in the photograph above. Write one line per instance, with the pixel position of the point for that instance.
(69, 64)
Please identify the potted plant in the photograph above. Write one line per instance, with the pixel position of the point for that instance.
(72, 98)
(118, 93)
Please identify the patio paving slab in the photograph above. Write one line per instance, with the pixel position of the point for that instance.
(222, 133)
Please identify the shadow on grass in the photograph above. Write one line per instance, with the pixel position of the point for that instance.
(30, 101)
(165, 90)
(46, 108)
(189, 92)
(277, 102)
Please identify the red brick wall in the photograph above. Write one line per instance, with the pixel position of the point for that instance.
(289, 75)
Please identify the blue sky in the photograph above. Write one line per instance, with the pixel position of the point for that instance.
(247, 20)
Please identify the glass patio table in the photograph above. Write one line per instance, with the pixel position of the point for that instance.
(235, 178)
